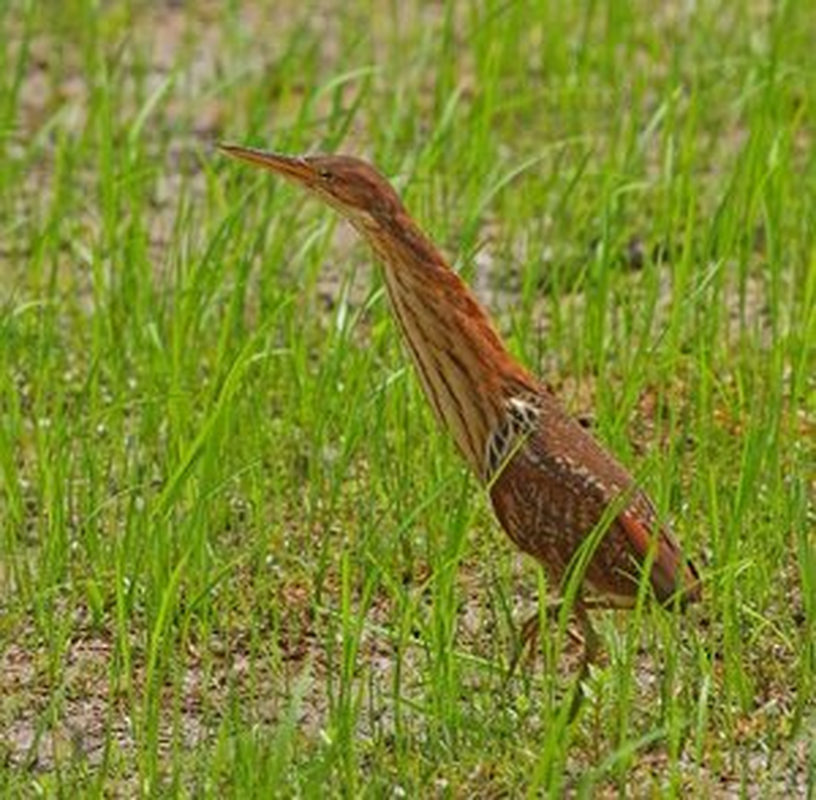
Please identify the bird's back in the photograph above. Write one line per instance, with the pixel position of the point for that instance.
(555, 489)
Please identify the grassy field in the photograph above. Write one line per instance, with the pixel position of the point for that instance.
(237, 557)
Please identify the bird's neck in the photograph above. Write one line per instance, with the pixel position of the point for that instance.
(465, 369)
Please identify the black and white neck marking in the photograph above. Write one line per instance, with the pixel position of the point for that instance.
(520, 420)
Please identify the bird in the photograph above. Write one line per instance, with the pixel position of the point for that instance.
(559, 494)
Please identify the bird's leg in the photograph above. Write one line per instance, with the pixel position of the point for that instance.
(592, 648)
(592, 642)
(531, 630)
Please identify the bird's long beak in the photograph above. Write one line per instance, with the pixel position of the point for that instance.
(294, 168)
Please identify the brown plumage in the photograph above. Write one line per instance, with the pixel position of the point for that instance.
(550, 482)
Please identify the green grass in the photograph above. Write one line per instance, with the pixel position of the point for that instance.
(236, 555)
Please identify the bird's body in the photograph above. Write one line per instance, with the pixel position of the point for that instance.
(552, 485)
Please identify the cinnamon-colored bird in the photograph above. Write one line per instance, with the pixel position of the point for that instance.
(553, 487)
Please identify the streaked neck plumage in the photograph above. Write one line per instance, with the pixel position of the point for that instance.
(464, 368)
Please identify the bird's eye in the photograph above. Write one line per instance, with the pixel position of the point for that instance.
(326, 175)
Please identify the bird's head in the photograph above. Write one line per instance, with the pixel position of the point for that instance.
(349, 184)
